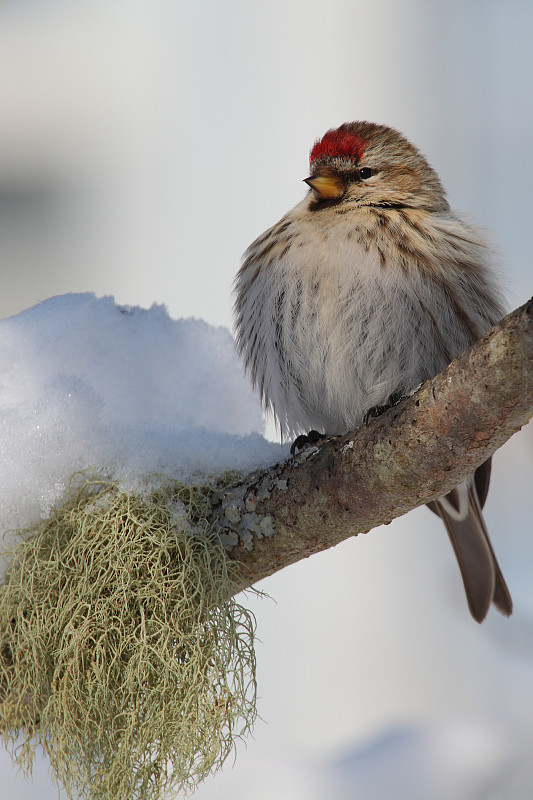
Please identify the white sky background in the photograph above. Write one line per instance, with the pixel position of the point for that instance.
(143, 145)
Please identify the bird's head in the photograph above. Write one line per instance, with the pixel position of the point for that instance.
(364, 164)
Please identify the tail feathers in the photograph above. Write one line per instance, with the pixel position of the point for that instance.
(460, 510)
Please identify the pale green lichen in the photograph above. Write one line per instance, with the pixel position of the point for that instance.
(122, 651)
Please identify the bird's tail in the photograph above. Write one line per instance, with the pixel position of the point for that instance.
(460, 510)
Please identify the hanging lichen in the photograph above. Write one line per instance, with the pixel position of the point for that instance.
(122, 651)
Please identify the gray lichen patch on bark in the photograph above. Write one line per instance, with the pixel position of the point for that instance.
(237, 516)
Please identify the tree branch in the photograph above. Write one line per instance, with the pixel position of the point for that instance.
(413, 453)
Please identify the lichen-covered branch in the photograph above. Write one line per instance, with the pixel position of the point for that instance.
(416, 451)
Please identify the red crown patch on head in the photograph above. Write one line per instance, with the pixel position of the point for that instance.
(340, 143)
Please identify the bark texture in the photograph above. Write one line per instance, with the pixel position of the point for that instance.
(413, 453)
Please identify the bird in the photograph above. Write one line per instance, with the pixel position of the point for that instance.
(368, 287)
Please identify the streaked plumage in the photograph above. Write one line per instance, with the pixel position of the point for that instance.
(365, 289)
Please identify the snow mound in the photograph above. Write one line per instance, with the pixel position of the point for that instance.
(89, 385)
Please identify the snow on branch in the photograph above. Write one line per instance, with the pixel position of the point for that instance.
(413, 453)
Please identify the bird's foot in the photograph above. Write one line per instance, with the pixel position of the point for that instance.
(377, 411)
(306, 438)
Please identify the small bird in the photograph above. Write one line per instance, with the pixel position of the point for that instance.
(368, 287)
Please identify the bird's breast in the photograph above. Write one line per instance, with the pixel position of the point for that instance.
(334, 317)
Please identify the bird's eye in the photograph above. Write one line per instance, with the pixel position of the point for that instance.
(365, 172)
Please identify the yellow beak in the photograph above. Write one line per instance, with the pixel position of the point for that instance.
(325, 186)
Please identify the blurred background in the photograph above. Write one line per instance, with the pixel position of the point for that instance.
(143, 145)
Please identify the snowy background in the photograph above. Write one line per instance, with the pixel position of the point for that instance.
(143, 145)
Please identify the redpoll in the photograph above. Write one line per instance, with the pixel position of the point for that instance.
(368, 287)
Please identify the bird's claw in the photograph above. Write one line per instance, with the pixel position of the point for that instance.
(377, 411)
(306, 438)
